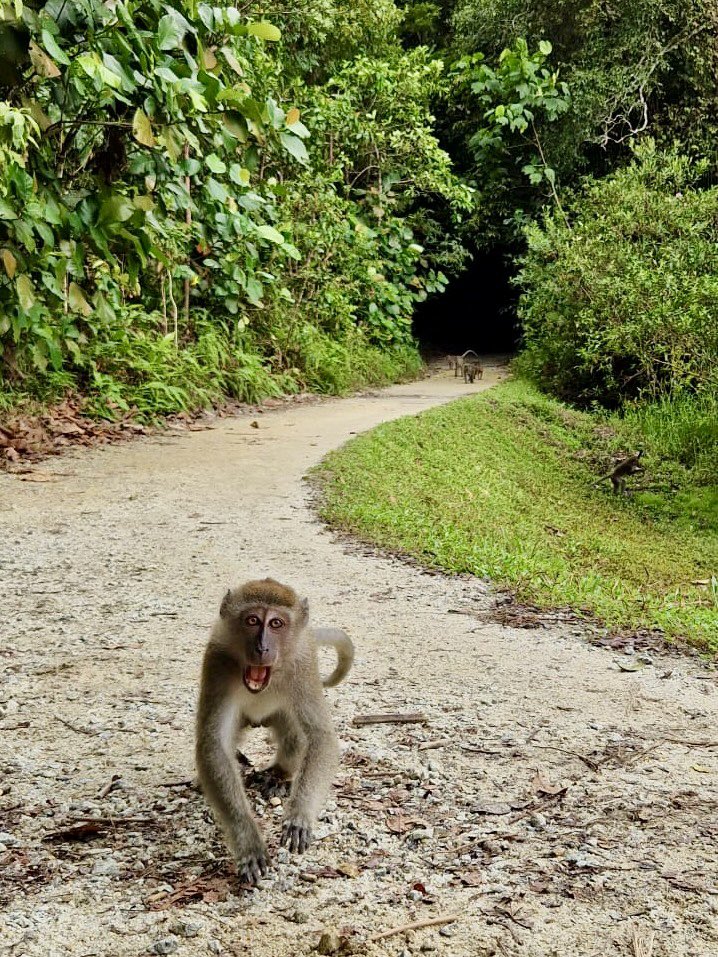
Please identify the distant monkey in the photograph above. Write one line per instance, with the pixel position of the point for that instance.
(261, 668)
(618, 475)
(473, 370)
(462, 359)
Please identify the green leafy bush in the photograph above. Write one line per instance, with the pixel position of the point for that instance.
(184, 194)
(620, 301)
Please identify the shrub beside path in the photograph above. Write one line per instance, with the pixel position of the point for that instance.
(552, 802)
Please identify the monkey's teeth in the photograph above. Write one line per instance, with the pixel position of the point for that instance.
(256, 678)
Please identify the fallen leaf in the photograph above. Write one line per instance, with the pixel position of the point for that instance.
(541, 785)
(701, 768)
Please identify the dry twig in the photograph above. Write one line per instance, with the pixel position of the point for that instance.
(416, 925)
(396, 717)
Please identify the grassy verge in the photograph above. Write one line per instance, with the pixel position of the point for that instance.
(501, 485)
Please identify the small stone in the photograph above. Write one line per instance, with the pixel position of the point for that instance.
(185, 929)
(329, 943)
(299, 917)
(168, 945)
(446, 932)
(106, 868)
(275, 801)
(214, 946)
(7, 839)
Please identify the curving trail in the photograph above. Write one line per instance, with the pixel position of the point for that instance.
(564, 807)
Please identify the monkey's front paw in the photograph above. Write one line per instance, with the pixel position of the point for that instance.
(252, 868)
(296, 834)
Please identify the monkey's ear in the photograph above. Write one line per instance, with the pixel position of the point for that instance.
(224, 607)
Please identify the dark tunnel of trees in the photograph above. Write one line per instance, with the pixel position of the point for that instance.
(477, 311)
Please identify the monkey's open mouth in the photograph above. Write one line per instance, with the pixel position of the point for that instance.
(256, 679)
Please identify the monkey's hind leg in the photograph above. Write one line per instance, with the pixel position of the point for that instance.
(275, 781)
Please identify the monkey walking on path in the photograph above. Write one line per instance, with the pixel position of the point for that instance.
(261, 668)
(473, 370)
(459, 363)
(618, 475)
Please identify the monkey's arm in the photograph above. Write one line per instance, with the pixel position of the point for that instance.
(217, 719)
(314, 779)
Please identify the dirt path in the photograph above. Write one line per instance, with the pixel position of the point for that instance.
(568, 807)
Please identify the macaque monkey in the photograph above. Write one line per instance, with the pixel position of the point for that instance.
(462, 359)
(473, 370)
(261, 668)
(618, 475)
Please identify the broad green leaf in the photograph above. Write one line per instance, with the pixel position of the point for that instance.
(254, 291)
(295, 146)
(90, 63)
(215, 163)
(170, 32)
(6, 210)
(217, 191)
(169, 76)
(103, 310)
(115, 209)
(264, 30)
(142, 129)
(270, 233)
(9, 262)
(299, 129)
(56, 52)
(239, 175)
(206, 15)
(25, 292)
(545, 47)
(42, 63)
(77, 301)
(232, 61)
(145, 203)
(235, 125)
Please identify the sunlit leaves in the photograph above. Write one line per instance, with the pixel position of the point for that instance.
(142, 129)
(25, 292)
(294, 146)
(264, 30)
(9, 262)
(77, 301)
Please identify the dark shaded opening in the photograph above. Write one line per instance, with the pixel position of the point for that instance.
(477, 311)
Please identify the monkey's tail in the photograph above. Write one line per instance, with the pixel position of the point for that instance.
(342, 644)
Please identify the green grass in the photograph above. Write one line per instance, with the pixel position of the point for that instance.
(501, 485)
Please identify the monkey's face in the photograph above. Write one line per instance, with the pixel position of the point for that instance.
(262, 637)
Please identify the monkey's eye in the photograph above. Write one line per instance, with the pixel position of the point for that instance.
(276, 623)
(252, 620)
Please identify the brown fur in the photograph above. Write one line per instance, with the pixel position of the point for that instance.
(292, 704)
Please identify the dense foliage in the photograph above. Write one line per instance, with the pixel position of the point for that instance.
(620, 299)
(186, 211)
